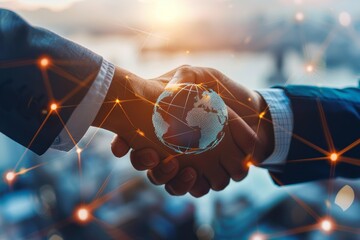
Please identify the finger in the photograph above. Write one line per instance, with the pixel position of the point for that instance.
(119, 147)
(182, 183)
(144, 159)
(200, 188)
(164, 172)
(236, 96)
(217, 178)
(169, 75)
(244, 136)
(184, 74)
(235, 164)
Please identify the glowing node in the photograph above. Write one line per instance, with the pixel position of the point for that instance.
(117, 101)
(44, 62)
(141, 133)
(127, 77)
(187, 52)
(249, 99)
(326, 225)
(53, 106)
(257, 236)
(344, 19)
(82, 214)
(249, 164)
(299, 16)
(261, 115)
(334, 157)
(78, 150)
(309, 68)
(10, 176)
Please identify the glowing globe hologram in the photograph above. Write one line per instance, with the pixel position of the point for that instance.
(190, 118)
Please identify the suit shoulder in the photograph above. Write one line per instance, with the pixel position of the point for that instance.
(12, 25)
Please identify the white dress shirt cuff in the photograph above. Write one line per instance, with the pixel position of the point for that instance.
(85, 113)
(283, 122)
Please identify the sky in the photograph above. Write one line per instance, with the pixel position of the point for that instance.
(157, 14)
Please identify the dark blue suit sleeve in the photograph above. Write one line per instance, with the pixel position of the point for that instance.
(340, 109)
(26, 92)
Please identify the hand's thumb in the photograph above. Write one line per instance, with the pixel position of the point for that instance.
(182, 76)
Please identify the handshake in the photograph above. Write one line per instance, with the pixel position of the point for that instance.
(248, 134)
(296, 132)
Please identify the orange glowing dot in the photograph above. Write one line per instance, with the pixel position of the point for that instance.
(249, 99)
(127, 77)
(249, 164)
(309, 68)
(334, 157)
(79, 150)
(257, 236)
(299, 16)
(261, 115)
(44, 62)
(187, 52)
(10, 176)
(82, 214)
(117, 101)
(53, 106)
(141, 133)
(326, 225)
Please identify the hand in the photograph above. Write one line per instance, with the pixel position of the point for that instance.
(249, 128)
(128, 87)
(247, 137)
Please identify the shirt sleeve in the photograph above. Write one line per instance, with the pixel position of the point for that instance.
(85, 113)
(283, 123)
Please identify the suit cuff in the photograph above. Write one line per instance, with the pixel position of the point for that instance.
(283, 123)
(86, 111)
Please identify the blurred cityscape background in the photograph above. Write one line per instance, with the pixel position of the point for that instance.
(258, 43)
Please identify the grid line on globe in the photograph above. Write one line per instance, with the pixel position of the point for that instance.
(190, 118)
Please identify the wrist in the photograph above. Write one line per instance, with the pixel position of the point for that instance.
(265, 131)
(121, 89)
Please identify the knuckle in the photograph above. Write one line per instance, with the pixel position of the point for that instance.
(200, 192)
(186, 71)
(216, 73)
(169, 190)
(136, 164)
(185, 68)
(239, 176)
(152, 179)
(220, 185)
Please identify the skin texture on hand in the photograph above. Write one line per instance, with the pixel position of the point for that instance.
(131, 120)
(247, 137)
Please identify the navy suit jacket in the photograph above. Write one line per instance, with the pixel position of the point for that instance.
(340, 111)
(25, 97)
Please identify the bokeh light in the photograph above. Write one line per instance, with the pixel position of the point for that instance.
(10, 177)
(326, 225)
(344, 19)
